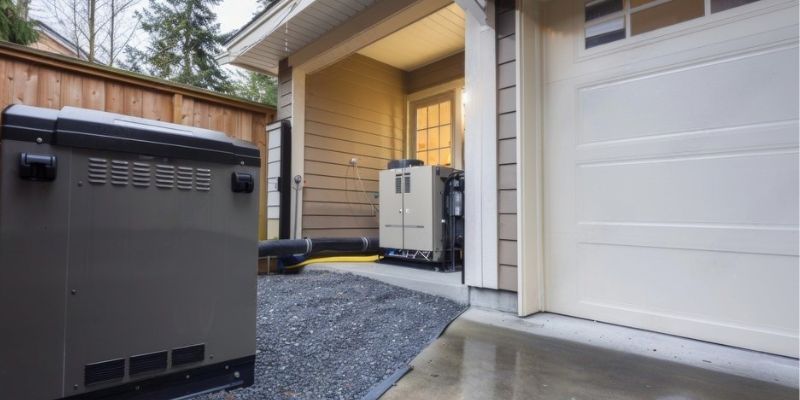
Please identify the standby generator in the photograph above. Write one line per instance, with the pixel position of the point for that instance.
(127, 257)
(421, 213)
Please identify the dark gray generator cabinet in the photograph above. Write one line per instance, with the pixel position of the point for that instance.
(127, 256)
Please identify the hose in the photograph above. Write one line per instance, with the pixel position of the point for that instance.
(335, 260)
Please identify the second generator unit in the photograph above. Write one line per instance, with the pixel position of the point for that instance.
(421, 213)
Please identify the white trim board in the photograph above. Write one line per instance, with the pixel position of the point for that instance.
(530, 259)
(480, 154)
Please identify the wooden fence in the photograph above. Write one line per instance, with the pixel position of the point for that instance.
(37, 78)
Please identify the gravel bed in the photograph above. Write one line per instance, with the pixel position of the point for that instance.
(324, 335)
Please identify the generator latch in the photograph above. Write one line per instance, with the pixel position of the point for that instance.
(242, 182)
(37, 167)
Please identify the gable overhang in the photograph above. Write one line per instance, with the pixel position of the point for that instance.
(312, 34)
(285, 27)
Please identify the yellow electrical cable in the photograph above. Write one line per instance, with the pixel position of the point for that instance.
(335, 260)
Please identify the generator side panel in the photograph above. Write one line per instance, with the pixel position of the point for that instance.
(391, 191)
(33, 266)
(163, 265)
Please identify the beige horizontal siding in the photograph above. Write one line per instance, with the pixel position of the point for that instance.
(506, 145)
(284, 91)
(354, 109)
(445, 70)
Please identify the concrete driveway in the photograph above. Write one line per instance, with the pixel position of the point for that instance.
(473, 360)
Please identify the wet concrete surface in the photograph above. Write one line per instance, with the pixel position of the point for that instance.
(477, 361)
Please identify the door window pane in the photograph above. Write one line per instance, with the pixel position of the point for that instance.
(422, 118)
(444, 113)
(433, 115)
(433, 138)
(445, 136)
(434, 132)
(666, 14)
(422, 140)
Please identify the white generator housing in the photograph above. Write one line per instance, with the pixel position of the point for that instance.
(411, 212)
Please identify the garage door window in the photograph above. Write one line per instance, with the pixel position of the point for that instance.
(611, 20)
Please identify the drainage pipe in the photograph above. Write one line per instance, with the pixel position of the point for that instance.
(287, 247)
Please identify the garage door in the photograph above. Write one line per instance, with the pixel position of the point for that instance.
(671, 167)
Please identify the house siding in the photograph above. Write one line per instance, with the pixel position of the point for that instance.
(506, 145)
(354, 109)
(445, 70)
(284, 106)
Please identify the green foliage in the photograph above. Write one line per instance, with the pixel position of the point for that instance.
(255, 87)
(15, 26)
(184, 37)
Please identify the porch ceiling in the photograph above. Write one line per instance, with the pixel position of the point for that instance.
(285, 27)
(430, 39)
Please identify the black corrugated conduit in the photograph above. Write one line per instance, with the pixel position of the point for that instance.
(307, 247)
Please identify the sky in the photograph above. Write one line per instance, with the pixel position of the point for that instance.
(231, 15)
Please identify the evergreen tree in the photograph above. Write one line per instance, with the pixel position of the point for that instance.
(184, 37)
(15, 26)
(255, 87)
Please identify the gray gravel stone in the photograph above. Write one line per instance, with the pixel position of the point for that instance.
(328, 335)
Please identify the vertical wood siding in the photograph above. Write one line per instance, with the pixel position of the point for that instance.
(354, 108)
(506, 145)
(40, 79)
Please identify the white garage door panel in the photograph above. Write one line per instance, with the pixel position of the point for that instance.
(671, 290)
(698, 190)
(734, 91)
(671, 182)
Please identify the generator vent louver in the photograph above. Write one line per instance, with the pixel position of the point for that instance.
(203, 179)
(185, 176)
(119, 173)
(165, 176)
(104, 371)
(189, 354)
(147, 362)
(98, 171)
(140, 175)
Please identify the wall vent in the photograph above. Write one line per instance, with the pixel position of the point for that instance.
(188, 355)
(104, 371)
(147, 362)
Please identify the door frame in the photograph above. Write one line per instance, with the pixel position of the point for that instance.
(530, 224)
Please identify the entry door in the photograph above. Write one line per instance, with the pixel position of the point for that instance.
(671, 167)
